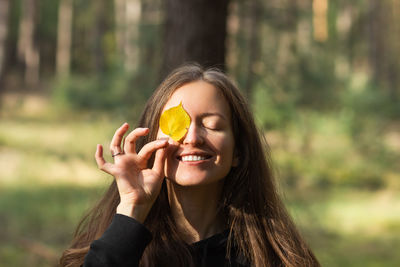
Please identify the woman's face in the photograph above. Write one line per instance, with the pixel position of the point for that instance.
(206, 153)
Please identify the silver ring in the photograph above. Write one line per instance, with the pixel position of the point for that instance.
(119, 153)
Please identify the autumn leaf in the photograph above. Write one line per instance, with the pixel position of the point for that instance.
(175, 122)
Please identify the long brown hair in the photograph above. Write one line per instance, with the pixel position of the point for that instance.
(260, 228)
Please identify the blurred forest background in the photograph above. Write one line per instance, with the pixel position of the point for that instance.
(322, 77)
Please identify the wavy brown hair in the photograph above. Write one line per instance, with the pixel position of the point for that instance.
(260, 228)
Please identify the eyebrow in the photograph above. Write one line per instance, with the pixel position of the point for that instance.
(208, 114)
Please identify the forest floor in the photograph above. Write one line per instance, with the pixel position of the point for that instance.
(48, 179)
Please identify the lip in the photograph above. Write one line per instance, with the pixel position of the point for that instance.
(204, 154)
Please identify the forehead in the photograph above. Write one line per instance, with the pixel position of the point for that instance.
(199, 97)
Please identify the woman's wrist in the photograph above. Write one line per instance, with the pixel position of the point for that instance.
(137, 212)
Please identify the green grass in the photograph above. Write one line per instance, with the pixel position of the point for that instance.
(350, 227)
(37, 222)
(48, 180)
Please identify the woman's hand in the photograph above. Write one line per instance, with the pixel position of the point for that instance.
(138, 185)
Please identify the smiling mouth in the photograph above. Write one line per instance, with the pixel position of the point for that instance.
(192, 158)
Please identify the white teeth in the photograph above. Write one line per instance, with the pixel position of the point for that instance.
(193, 158)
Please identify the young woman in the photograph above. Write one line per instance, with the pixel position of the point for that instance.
(208, 199)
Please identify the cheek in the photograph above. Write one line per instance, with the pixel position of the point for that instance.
(229, 153)
(170, 159)
(226, 147)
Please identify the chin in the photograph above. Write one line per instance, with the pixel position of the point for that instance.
(191, 181)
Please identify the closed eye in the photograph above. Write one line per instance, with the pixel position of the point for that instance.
(214, 122)
(212, 126)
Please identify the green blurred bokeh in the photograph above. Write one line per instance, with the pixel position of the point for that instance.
(331, 119)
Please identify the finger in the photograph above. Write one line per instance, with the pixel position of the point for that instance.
(101, 162)
(115, 145)
(172, 142)
(148, 149)
(132, 137)
(159, 161)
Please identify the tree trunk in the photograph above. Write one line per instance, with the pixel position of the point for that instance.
(254, 45)
(28, 51)
(119, 9)
(98, 34)
(384, 45)
(320, 20)
(195, 31)
(131, 47)
(4, 11)
(64, 33)
(127, 15)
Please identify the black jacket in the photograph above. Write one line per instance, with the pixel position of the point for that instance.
(123, 243)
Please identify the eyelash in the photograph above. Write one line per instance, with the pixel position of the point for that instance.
(214, 128)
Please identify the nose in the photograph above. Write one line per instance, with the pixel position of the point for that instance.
(194, 135)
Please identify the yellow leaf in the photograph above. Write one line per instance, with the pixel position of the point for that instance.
(175, 122)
